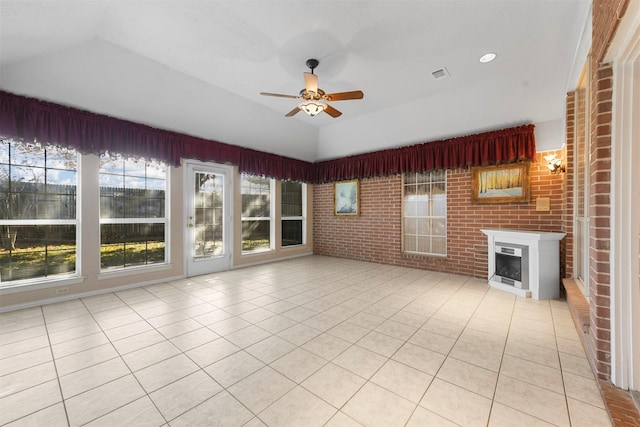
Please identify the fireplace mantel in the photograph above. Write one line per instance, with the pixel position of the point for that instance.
(543, 261)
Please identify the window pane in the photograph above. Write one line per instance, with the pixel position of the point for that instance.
(31, 155)
(54, 198)
(291, 199)
(256, 205)
(37, 183)
(410, 244)
(110, 179)
(440, 205)
(256, 235)
(439, 245)
(439, 227)
(410, 206)
(410, 178)
(208, 241)
(62, 159)
(135, 169)
(291, 232)
(131, 189)
(28, 178)
(438, 176)
(4, 176)
(423, 205)
(125, 245)
(34, 251)
(410, 226)
(424, 244)
(4, 153)
(56, 206)
(424, 227)
(256, 196)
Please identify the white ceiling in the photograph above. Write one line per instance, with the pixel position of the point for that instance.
(197, 66)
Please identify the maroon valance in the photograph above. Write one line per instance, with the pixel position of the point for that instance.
(489, 148)
(32, 119)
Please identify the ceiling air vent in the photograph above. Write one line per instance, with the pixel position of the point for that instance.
(440, 73)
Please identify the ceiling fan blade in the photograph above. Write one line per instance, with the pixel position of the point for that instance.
(292, 112)
(332, 111)
(311, 82)
(342, 96)
(279, 95)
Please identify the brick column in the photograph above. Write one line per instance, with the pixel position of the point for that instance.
(600, 213)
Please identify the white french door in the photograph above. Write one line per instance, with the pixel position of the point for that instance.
(208, 218)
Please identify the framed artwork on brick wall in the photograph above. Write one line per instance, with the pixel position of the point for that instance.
(346, 198)
(500, 184)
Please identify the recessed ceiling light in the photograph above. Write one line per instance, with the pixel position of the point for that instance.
(487, 57)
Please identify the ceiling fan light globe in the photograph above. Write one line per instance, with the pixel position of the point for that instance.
(313, 107)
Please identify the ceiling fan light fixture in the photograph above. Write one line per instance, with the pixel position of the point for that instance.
(315, 100)
(313, 107)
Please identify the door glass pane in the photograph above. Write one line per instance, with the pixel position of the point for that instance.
(208, 221)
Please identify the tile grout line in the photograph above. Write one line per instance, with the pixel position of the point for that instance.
(55, 367)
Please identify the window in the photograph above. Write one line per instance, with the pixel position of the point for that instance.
(424, 225)
(133, 218)
(38, 187)
(257, 226)
(293, 213)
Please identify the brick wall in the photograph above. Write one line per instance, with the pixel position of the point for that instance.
(376, 235)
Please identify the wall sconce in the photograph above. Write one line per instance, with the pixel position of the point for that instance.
(554, 164)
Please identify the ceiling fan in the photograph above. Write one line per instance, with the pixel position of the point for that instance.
(314, 99)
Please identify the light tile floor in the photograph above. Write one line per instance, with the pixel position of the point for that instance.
(304, 342)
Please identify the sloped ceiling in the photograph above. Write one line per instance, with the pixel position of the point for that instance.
(198, 67)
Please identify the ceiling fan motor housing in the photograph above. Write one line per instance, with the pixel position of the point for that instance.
(311, 95)
(312, 63)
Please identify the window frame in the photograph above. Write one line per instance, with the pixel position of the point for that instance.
(57, 280)
(166, 220)
(425, 217)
